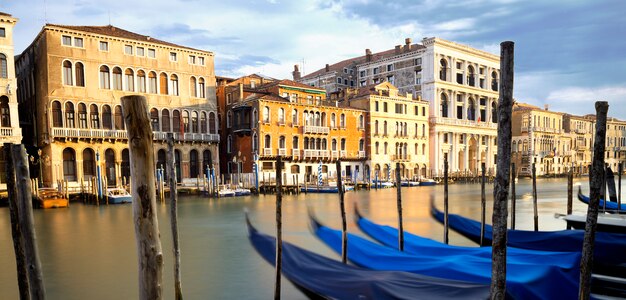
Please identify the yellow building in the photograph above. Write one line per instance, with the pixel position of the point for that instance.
(79, 74)
(581, 131)
(615, 143)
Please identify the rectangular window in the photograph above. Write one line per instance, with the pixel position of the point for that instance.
(173, 56)
(390, 79)
(2, 32)
(384, 106)
(375, 71)
(399, 108)
(339, 80)
(140, 51)
(345, 71)
(201, 60)
(362, 73)
(416, 109)
(376, 106)
(389, 68)
(151, 53)
(104, 46)
(362, 83)
(192, 60)
(423, 111)
(67, 40)
(418, 61)
(78, 42)
(128, 49)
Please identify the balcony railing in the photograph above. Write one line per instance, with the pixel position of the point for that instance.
(6, 131)
(343, 153)
(469, 123)
(334, 154)
(267, 151)
(282, 151)
(295, 153)
(121, 134)
(313, 153)
(361, 154)
(400, 157)
(316, 129)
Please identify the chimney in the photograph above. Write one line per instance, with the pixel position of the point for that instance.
(368, 55)
(240, 92)
(327, 67)
(546, 106)
(296, 73)
(407, 44)
(397, 49)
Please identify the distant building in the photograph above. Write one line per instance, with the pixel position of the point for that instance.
(581, 131)
(615, 143)
(72, 79)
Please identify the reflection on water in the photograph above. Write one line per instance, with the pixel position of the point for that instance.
(89, 252)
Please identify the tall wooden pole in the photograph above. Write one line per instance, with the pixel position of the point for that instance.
(445, 200)
(279, 225)
(535, 214)
(178, 291)
(513, 198)
(586, 262)
(501, 182)
(570, 196)
(620, 169)
(399, 204)
(16, 231)
(344, 224)
(149, 252)
(483, 203)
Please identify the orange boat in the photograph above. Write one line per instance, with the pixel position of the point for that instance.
(51, 198)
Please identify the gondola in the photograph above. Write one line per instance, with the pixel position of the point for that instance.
(609, 258)
(524, 281)
(610, 205)
(606, 222)
(319, 277)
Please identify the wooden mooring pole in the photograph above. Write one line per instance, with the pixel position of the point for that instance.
(149, 252)
(596, 177)
(535, 215)
(570, 183)
(399, 204)
(501, 182)
(620, 170)
(342, 206)
(483, 203)
(513, 197)
(445, 201)
(178, 291)
(279, 226)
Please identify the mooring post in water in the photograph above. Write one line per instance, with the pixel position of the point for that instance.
(535, 215)
(445, 200)
(513, 198)
(620, 169)
(501, 182)
(604, 195)
(570, 183)
(342, 206)
(26, 222)
(596, 176)
(16, 230)
(279, 225)
(399, 204)
(483, 203)
(149, 252)
(178, 291)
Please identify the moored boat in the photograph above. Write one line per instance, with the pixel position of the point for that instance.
(409, 183)
(606, 222)
(427, 182)
(610, 205)
(118, 196)
(225, 192)
(325, 189)
(242, 192)
(51, 198)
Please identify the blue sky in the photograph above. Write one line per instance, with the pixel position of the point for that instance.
(568, 53)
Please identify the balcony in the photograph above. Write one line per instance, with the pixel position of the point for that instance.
(316, 129)
(361, 154)
(315, 154)
(295, 153)
(334, 154)
(400, 157)
(343, 153)
(267, 151)
(281, 122)
(122, 135)
(282, 152)
(238, 127)
(468, 123)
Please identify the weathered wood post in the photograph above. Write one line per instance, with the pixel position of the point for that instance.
(399, 204)
(501, 182)
(513, 197)
(16, 230)
(149, 252)
(342, 206)
(178, 291)
(483, 203)
(586, 262)
(570, 183)
(27, 226)
(279, 226)
(535, 215)
(445, 200)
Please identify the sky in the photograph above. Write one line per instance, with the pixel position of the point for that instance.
(568, 53)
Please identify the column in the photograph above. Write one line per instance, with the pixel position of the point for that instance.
(466, 152)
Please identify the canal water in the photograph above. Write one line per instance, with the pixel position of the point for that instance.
(89, 252)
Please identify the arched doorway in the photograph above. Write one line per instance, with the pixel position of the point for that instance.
(193, 164)
(109, 167)
(473, 152)
(162, 162)
(178, 170)
(125, 168)
(207, 161)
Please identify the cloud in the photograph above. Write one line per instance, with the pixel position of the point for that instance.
(573, 99)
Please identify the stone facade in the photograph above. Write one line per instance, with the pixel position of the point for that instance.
(615, 143)
(79, 74)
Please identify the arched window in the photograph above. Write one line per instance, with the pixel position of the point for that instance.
(343, 144)
(201, 88)
(443, 69)
(376, 147)
(361, 145)
(192, 87)
(229, 119)
(117, 79)
(194, 122)
(342, 121)
(80, 74)
(193, 163)
(4, 71)
(67, 72)
(161, 162)
(141, 81)
(471, 76)
(106, 117)
(444, 105)
(361, 122)
(384, 128)
(89, 163)
(324, 119)
(254, 143)
(105, 78)
(471, 110)
(268, 142)
(125, 166)
(119, 118)
(154, 119)
(129, 80)
(176, 121)
(294, 117)
(385, 148)
(494, 81)
(163, 84)
(295, 143)
(281, 116)
(212, 123)
(514, 146)
(94, 116)
(69, 164)
(109, 166)
(165, 120)
(203, 122)
(82, 115)
(69, 115)
(5, 112)
(282, 144)
(494, 113)
(57, 115)
(152, 83)
(333, 145)
(174, 80)
(423, 149)
(185, 121)
(333, 120)
(266, 114)
(376, 127)
(423, 130)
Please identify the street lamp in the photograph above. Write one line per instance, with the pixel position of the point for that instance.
(40, 160)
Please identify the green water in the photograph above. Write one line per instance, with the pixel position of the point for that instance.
(89, 252)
